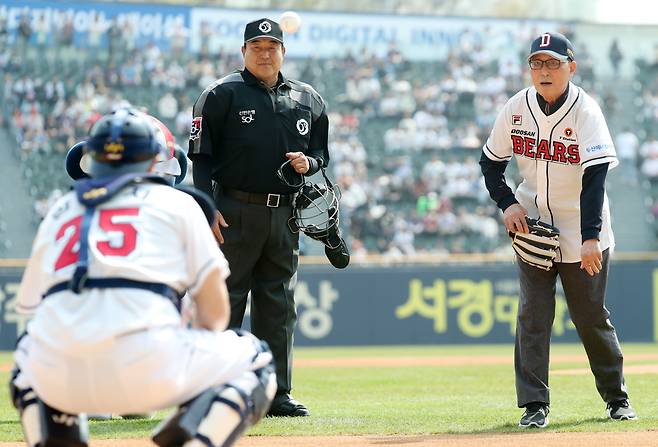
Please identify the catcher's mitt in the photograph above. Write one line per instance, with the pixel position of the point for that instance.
(538, 246)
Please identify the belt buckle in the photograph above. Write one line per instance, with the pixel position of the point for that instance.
(273, 200)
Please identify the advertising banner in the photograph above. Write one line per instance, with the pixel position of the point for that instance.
(443, 304)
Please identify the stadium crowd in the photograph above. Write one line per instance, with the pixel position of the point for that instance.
(405, 136)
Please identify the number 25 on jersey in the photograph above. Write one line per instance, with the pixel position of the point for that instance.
(107, 222)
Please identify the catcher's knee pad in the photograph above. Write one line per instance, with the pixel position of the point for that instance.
(44, 426)
(263, 355)
(218, 416)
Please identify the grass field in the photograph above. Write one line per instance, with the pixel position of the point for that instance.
(430, 399)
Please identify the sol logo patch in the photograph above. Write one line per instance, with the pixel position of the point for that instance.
(247, 116)
(195, 132)
(568, 132)
(302, 126)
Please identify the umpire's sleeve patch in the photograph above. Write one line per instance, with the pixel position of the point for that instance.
(195, 132)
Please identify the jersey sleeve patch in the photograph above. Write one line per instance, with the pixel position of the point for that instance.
(195, 132)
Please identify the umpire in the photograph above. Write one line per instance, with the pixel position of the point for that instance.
(245, 126)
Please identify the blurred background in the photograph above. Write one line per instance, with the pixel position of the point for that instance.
(412, 88)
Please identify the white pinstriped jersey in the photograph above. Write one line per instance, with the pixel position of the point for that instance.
(552, 153)
(147, 232)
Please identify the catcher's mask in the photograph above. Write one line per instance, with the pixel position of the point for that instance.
(315, 213)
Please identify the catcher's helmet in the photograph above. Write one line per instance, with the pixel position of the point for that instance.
(73, 159)
(121, 137)
(172, 160)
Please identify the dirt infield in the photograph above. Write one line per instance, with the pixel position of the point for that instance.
(463, 360)
(544, 439)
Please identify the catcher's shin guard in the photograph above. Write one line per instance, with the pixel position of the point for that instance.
(218, 416)
(26, 402)
(44, 426)
(60, 429)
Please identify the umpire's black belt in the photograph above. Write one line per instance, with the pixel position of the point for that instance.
(120, 283)
(271, 200)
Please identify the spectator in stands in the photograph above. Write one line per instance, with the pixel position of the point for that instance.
(4, 32)
(64, 35)
(113, 40)
(23, 33)
(168, 106)
(129, 34)
(42, 32)
(626, 145)
(95, 31)
(615, 54)
(649, 151)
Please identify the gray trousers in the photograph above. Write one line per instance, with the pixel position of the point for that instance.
(263, 255)
(585, 296)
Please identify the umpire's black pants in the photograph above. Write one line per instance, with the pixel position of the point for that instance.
(585, 296)
(263, 254)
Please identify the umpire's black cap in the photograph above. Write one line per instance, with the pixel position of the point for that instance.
(263, 28)
(553, 44)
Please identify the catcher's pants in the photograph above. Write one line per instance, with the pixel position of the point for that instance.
(263, 255)
(136, 373)
(585, 296)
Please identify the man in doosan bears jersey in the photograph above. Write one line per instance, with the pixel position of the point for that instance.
(563, 149)
(106, 335)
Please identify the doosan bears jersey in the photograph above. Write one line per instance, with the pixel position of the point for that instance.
(133, 236)
(552, 153)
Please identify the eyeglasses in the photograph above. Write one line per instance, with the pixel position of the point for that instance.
(551, 64)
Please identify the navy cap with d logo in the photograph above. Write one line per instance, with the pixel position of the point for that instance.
(263, 28)
(553, 44)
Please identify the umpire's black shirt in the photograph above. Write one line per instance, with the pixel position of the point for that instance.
(242, 130)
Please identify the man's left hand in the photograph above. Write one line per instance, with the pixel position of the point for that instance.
(299, 162)
(591, 257)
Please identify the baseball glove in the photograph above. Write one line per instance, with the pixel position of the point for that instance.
(538, 246)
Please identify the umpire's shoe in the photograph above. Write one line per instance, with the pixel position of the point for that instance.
(621, 410)
(535, 416)
(285, 405)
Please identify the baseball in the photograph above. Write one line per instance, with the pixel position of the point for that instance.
(290, 22)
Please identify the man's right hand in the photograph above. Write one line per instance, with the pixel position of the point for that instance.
(514, 218)
(216, 231)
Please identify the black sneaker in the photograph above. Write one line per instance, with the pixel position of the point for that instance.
(536, 415)
(620, 410)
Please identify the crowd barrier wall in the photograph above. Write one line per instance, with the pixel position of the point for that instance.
(404, 304)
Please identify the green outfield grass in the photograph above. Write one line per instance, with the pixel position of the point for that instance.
(419, 399)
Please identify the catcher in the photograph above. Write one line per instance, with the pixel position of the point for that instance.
(106, 336)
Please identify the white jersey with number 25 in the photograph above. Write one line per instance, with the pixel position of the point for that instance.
(146, 232)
